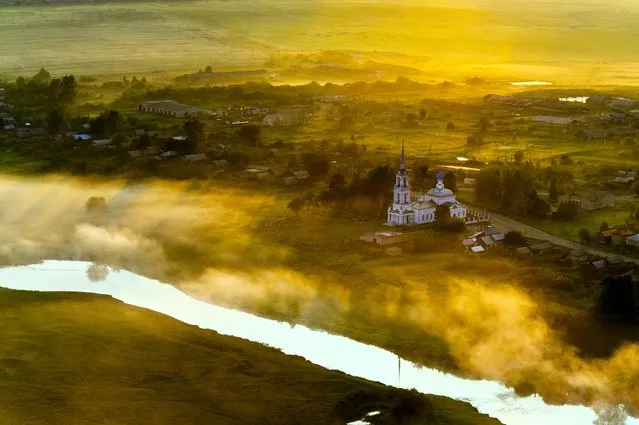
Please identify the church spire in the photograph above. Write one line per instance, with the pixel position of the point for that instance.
(402, 162)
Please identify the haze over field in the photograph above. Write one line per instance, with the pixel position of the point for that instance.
(566, 41)
(493, 329)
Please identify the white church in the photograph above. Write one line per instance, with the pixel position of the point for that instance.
(405, 212)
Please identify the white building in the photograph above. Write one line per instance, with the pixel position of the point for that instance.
(404, 211)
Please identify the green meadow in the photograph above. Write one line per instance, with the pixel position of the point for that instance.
(61, 362)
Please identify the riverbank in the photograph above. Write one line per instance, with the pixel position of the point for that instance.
(69, 358)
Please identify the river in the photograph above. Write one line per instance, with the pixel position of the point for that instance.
(330, 351)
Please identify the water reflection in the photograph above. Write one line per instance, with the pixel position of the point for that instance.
(531, 83)
(578, 99)
(330, 351)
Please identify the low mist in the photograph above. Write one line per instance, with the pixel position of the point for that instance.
(205, 241)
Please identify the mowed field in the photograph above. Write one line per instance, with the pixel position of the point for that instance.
(569, 41)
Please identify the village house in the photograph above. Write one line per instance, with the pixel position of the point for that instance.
(542, 247)
(589, 135)
(196, 157)
(616, 236)
(24, 133)
(507, 100)
(589, 200)
(172, 108)
(102, 142)
(633, 241)
(81, 137)
(560, 123)
(624, 177)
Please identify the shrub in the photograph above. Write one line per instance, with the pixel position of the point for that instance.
(514, 238)
(585, 236)
(567, 211)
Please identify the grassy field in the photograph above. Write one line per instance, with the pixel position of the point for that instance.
(571, 42)
(591, 221)
(81, 359)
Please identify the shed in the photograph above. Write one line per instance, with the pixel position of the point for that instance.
(81, 137)
(487, 240)
(168, 154)
(135, 154)
(477, 249)
(196, 157)
(599, 264)
(490, 230)
(633, 240)
(499, 237)
(102, 142)
(469, 242)
(220, 163)
(524, 250)
(541, 247)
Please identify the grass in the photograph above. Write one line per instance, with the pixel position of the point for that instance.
(81, 359)
(494, 39)
(588, 220)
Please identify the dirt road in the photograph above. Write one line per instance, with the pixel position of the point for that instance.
(506, 223)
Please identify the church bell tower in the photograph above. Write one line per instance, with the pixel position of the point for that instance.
(401, 191)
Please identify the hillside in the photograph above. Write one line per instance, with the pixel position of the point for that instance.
(564, 41)
(83, 359)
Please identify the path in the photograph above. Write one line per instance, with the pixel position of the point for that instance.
(509, 224)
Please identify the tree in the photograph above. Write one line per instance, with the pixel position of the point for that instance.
(483, 124)
(346, 122)
(65, 90)
(518, 156)
(604, 226)
(143, 142)
(97, 272)
(585, 236)
(208, 69)
(616, 298)
(194, 130)
(552, 192)
(442, 213)
(316, 165)
(450, 181)
(565, 160)
(567, 211)
(337, 180)
(95, 204)
(120, 139)
(250, 134)
(42, 77)
(56, 122)
(450, 126)
(20, 82)
(475, 139)
(422, 114)
(611, 415)
(534, 206)
(514, 238)
(107, 123)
